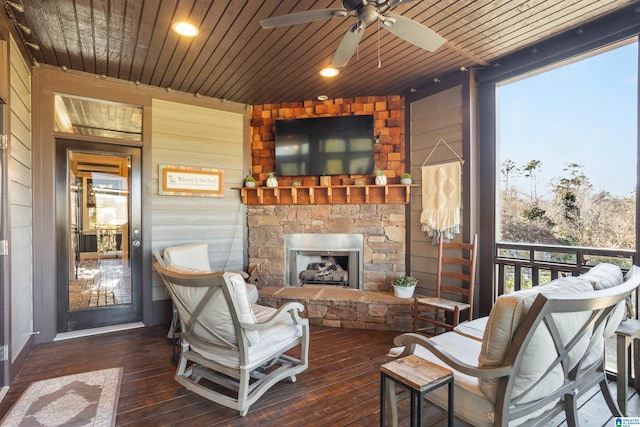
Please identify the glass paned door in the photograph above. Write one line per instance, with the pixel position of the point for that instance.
(98, 268)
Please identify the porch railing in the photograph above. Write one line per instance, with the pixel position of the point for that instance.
(521, 266)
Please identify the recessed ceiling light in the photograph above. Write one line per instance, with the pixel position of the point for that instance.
(322, 97)
(185, 29)
(329, 72)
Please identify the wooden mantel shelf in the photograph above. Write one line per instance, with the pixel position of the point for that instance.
(322, 195)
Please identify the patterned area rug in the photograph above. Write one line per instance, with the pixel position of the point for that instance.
(87, 399)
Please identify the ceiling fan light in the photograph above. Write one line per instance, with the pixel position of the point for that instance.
(185, 29)
(329, 72)
(388, 21)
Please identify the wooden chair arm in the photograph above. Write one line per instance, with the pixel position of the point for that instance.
(410, 341)
(292, 309)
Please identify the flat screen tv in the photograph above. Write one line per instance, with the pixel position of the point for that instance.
(325, 146)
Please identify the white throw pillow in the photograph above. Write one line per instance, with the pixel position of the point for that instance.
(245, 313)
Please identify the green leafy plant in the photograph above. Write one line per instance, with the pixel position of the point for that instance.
(379, 172)
(406, 175)
(249, 178)
(271, 175)
(405, 281)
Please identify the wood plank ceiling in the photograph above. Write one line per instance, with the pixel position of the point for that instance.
(233, 58)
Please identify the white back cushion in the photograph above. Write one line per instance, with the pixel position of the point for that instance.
(192, 255)
(216, 315)
(505, 318)
(604, 276)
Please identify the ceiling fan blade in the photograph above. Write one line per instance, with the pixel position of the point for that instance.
(394, 3)
(302, 17)
(348, 45)
(412, 31)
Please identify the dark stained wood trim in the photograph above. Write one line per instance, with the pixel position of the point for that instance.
(487, 173)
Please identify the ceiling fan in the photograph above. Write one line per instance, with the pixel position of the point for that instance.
(367, 12)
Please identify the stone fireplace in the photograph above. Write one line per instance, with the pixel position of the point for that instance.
(368, 305)
(380, 226)
(333, 259)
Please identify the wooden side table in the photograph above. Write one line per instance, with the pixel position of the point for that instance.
(627, 331)
(420, 377)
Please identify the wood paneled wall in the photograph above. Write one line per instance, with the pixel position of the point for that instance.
(20, 201)
(388, 112)
(189, 135)
(434, 117)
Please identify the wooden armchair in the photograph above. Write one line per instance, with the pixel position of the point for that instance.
(457, 266)
(230, 342)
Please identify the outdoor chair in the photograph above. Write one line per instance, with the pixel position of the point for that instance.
(542, 349)
(191, 257)
(457, 266)
(228, 343)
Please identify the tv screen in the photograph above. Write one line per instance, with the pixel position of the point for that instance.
(325, 146)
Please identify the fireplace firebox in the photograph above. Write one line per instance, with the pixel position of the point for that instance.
(324, 259)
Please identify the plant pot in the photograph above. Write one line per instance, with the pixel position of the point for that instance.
(403, 291)
(272, 182)
(405, 181)
(381, 180)
(250, 184)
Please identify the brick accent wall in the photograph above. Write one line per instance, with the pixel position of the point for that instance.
(383, 227)
(388, 112)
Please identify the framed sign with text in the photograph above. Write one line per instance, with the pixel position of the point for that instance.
(176, 180)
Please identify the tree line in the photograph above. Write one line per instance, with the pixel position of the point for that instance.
(571, 214)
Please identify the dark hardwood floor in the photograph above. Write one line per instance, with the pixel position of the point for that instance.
(340, 388)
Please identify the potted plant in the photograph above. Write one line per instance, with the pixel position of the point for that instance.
(403, 286)
(271, 180)
(405, 179)
(381, 179)
(249, 181)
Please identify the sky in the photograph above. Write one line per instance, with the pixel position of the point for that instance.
(584, 112)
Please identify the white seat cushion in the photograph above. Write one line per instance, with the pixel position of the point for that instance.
(473, 329)
(274, 340)
(470, 402)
